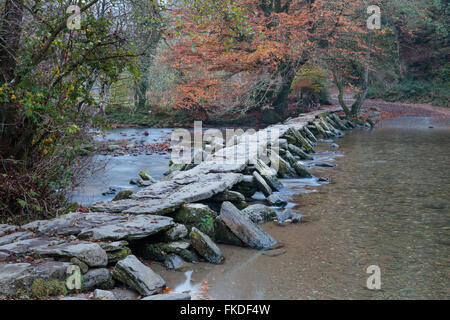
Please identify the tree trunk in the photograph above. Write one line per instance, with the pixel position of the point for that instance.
(10, 31)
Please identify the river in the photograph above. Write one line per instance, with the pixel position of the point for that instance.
(387, 204)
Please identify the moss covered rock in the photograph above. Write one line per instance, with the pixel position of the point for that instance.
(196, 215)
(206, 247)
(123, 194)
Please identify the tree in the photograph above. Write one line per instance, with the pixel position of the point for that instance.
(246, 53)
(48, 76)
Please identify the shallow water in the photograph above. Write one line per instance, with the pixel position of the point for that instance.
(117, 172)
(386, 205)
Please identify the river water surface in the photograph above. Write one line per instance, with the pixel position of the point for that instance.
(387, 204)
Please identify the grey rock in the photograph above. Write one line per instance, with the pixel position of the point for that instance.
(275, 200)
(196, 215)
(223, 234)
(268, 174)
(324, 165)
(72, 223)
(20, 276)
(129, 228)
(90, 253)
(284, 215)
(174, 262)
(259, 213)
(178, 232)
(104, 295)
(29, 245)
(274, 253)
(138, 276)
(247, 186)
(97, 279)
(334, 146)
(15, 237)
(247, 231)
(6, 228)
(206, 247)
(262, 184)
(298, 152)
(228, 195)
(146, 177)
(169, 296)
(83, 266)
(300, 169)
(123, 194)
(166, 196)
(284, 168)
(161, 251)
(113, 246)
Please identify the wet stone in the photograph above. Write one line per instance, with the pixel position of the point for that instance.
(138, 276)
(206, 247)
(247, 231)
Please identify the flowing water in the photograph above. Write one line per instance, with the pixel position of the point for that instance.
(387, 204)
(116, 172)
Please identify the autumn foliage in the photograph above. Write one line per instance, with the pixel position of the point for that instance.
(241, 56)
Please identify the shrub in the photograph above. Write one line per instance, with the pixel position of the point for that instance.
(44, 288)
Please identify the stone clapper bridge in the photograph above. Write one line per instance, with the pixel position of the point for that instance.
(172, 221)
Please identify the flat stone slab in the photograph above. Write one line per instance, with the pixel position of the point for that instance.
(138, 276)
(166, 196)
(129, 228)
(71, 224)
(245, 229)
(90, 253)
(29, 245)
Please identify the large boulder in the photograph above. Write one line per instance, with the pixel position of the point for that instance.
(206, 247)
(246, 230)
(138, 276)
